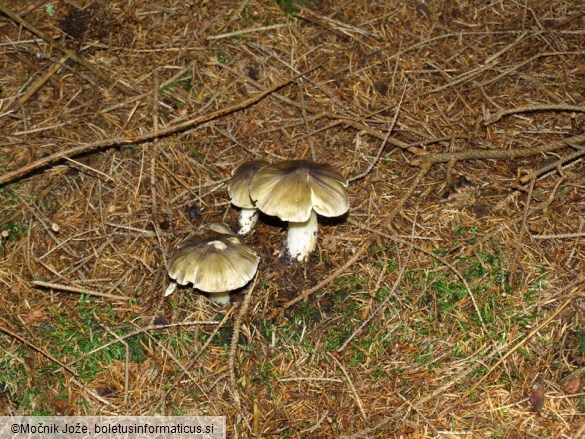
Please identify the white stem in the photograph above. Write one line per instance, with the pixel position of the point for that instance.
(223, 297)
(302, 238)
(247, 221)
(172, 286)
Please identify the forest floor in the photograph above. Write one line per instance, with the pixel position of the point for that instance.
(448, 303)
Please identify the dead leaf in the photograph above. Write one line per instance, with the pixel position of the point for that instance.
(35, 317)
(572, 385)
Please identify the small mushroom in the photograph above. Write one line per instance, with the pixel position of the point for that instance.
(296, 191)
(239, 192)
(214, 261)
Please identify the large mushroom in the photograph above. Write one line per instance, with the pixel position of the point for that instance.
(296, 191)
(214, 261)
(239, 192)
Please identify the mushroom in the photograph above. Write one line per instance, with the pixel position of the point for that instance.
(239, 192)
(214, 261)
(296, 191)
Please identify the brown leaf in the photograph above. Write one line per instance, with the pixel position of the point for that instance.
(35, 316)
(63, 408)
(536, 396)
(572, 385)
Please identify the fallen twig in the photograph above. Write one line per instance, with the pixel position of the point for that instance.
(234, 344)
(192, 362)
(36, 348)
(493, 118)
(245, 31)
(530, 335)
(356, 396)
(559, 236)
(497, 154)
(145, 329)
(305, 294)
(19, 102)
(382, 145)
(557, 164)
(148, 137)
(385, 302)
(71, 289)
(523, 63)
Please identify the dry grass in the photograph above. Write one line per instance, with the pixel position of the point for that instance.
(454, 286)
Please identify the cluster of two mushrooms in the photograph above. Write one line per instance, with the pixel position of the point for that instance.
(294, 191)
(215, 261)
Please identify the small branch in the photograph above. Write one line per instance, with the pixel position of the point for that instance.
(493, 118)
(306, 13)
(305, 294)
(385, 302)
(245, 31)
(234, 343)
(520, 235)
(382, 145)
(193, 361)
(36, 348)
(81, 165)
(134, 333)
(332, 380)
(147, 233)
(557, 164)
(148, 137)
(561, 236)
(19, 102)
(525, 62)
(392, 141)
(496, 154)
(321, 23)
(71, 289)
(529, 336)
(464, 77)
(351, 386)
(153, 156)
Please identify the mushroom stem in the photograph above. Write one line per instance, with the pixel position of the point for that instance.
(247, 220)
(222, 297)
(170, 289)
(302, 238)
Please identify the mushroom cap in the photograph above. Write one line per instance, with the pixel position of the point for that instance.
(213, 260)
(291, 189)
(239, 184)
